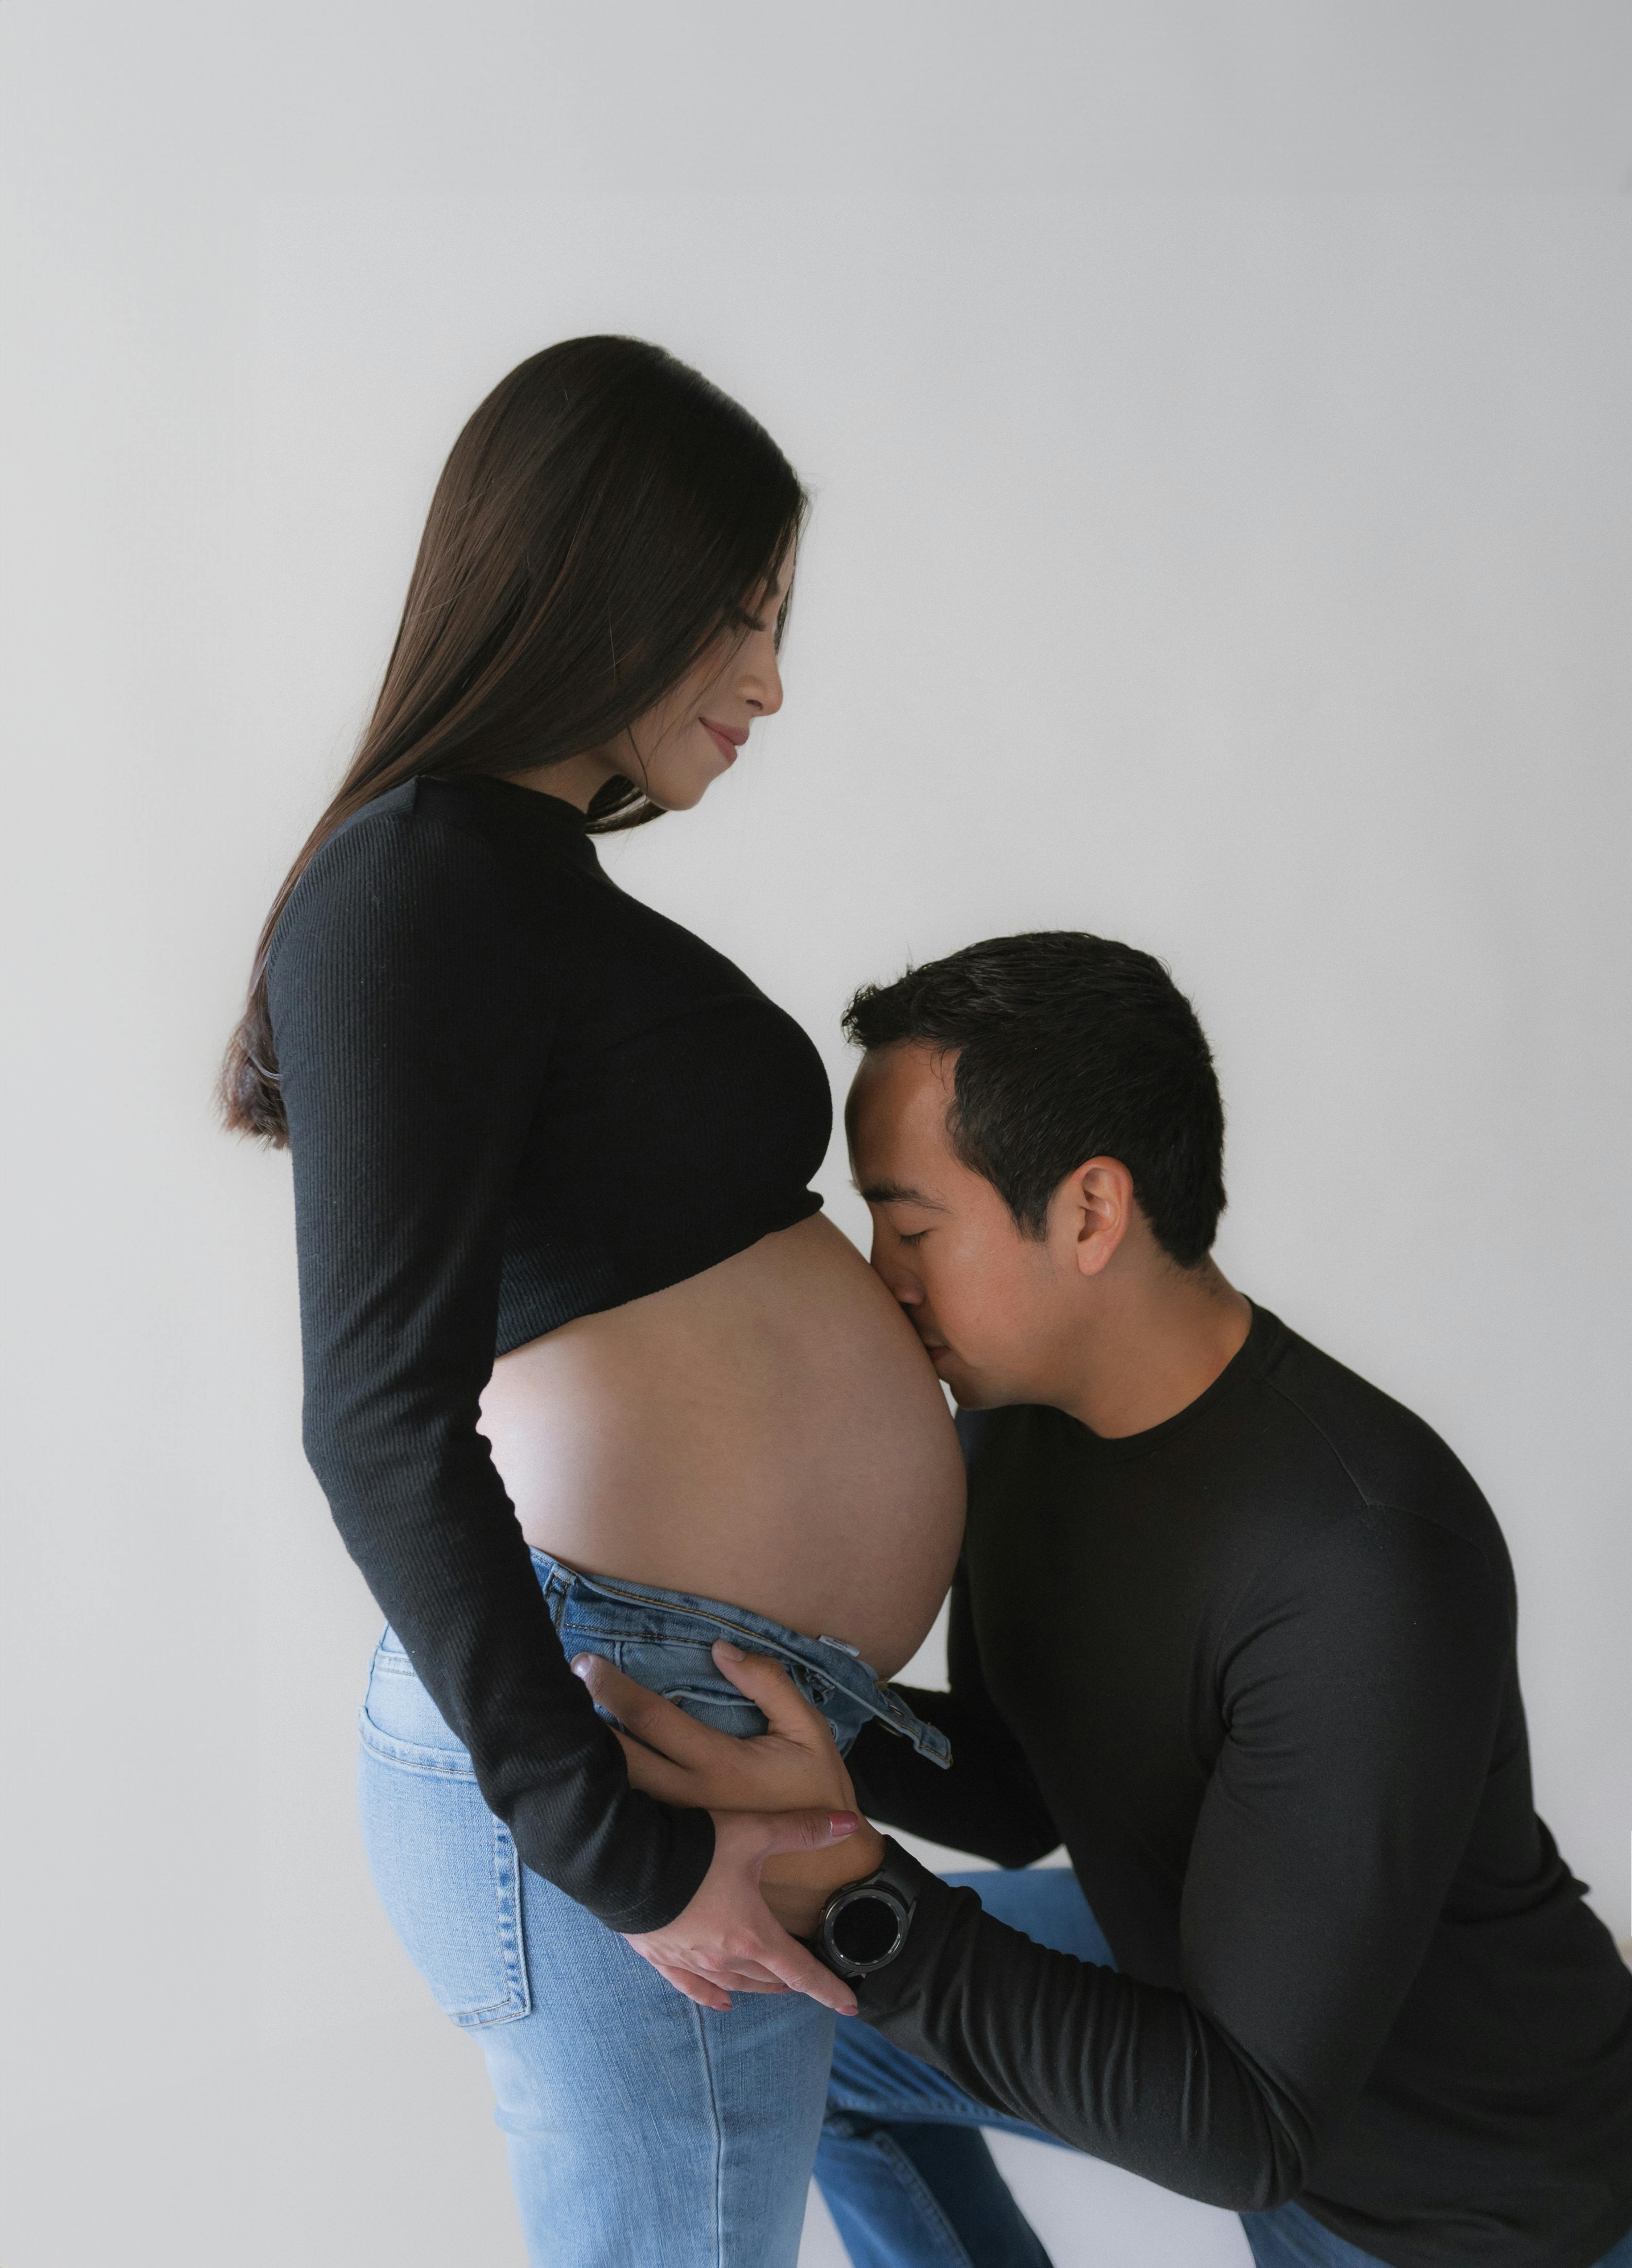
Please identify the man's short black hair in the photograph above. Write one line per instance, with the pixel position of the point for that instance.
(1069, 1047)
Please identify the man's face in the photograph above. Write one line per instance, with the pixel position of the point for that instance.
(986, 1299)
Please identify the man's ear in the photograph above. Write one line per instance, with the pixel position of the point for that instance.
(1098, 1202)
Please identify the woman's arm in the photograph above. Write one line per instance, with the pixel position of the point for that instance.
(413, 1021)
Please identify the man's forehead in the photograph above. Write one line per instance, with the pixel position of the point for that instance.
(902, 1083)
(897, 1123)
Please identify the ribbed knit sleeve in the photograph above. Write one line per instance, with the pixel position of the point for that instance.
(413, 1020)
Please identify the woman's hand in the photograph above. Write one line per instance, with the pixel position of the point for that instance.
(727, 1939)
(771, 1798)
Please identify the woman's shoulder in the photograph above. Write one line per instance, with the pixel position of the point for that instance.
(432, 832)
(430, 857)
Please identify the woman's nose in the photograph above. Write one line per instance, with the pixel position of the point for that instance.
(762, 680)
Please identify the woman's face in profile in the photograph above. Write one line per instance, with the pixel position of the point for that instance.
(686, 740)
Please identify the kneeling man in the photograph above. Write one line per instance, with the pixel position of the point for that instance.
(1238, 1630)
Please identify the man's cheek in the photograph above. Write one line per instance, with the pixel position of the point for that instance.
(964, 1316)
(950, 1291)
(975, 1289)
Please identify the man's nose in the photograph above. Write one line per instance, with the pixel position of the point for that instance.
(898, 1281)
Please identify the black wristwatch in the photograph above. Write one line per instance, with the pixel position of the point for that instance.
(864, 1924)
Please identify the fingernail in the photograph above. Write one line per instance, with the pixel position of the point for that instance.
(843, 1822)
(727, 1652)
(580, 1664)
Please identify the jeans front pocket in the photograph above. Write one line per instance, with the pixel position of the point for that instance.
(445, 1866)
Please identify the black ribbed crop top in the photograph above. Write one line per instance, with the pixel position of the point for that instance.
(485, 1048)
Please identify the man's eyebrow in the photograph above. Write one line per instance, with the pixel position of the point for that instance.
(897, 1193)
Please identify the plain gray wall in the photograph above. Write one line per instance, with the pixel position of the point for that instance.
(1219, 419)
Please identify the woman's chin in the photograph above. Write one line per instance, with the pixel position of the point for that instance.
(683, 794)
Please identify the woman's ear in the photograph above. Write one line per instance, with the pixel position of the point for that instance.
(1099, 1197)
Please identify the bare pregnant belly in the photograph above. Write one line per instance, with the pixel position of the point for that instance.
(770, 1432)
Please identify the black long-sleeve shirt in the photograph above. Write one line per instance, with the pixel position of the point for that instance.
(490, 1059)
(1256, 1669)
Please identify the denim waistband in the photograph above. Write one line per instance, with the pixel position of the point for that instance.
(644, 1629)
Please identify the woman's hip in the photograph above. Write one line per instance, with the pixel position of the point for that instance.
(629, 2110)
(446, 1867)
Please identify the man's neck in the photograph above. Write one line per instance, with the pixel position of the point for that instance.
(1155, 1344)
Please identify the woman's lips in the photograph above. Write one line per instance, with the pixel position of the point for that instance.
(725, 738)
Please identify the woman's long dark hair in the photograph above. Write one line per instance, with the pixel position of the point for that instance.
(606, 514)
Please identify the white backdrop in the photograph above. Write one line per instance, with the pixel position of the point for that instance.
(1219, 418)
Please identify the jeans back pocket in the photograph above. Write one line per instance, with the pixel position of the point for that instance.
(445, 1866)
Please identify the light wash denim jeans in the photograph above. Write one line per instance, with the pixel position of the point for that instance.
(909, 2181)
(642, 2131)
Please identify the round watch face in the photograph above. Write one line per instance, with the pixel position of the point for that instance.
(868, 1929)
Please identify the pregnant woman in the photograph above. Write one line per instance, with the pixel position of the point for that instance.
(586, 1371)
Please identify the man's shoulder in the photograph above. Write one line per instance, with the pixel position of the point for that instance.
(1387, 1449)
(1288, 1443)
(1391, 1458)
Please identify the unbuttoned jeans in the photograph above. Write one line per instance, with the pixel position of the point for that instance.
(909, 2181)
(642, 2131)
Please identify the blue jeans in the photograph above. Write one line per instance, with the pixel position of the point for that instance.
(909, 2181)
(642, 2131)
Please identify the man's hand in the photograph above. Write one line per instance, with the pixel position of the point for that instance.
(795, 1765)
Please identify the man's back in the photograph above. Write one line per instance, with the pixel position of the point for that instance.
(1259, 1661)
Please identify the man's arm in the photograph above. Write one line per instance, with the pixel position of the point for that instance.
(986, 1801)
(1363, 1684)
